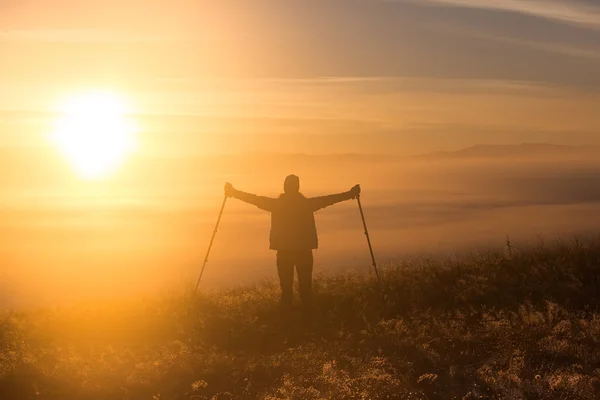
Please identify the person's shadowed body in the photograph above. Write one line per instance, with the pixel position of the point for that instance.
(293, 233)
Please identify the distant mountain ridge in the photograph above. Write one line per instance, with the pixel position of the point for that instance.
(517, 150)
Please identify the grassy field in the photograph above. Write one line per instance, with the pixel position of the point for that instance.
(519, 324)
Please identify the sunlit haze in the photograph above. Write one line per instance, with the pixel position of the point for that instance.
(120, 122)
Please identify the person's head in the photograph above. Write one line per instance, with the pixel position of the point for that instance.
(291, 184)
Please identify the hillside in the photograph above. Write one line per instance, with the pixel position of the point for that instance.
(524, 323)
(515, 151)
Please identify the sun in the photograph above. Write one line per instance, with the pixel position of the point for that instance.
(95, 133)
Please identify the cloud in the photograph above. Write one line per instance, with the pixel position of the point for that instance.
(572, 12)
(566, 49)
(87, 36)
(571, 51)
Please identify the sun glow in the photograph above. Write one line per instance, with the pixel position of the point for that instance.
(95, 133)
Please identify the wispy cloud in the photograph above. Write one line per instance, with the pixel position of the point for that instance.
(87, 36)
(571, 50)
(591, 54)
(568, 11)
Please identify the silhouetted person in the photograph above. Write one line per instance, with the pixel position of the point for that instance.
(293, 233)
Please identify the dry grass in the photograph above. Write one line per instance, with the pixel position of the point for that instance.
(524, 325)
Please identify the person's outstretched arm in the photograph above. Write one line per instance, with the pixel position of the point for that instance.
(317, 203)
(264, 203)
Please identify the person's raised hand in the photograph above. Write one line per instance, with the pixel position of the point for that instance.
(355, 191)
(229, 189)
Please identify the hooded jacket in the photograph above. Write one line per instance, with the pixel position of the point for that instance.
(292, 217)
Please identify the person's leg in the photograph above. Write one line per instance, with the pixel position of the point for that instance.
(304, 266)
(285, 269)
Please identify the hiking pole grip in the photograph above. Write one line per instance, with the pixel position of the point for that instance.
(362, 215)
(211, 244)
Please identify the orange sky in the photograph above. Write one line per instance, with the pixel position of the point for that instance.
(398, 76)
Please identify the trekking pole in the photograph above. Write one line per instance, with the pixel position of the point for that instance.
(362, 215)
(210, 245)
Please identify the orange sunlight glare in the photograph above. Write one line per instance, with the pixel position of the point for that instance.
(95, 133)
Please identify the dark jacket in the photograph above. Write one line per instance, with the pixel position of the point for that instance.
(292, 217)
